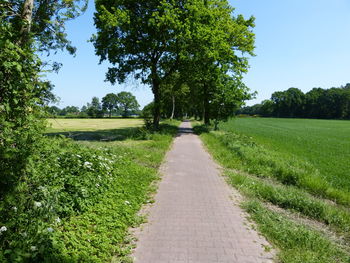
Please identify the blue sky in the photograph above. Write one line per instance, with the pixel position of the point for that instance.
(299, 43)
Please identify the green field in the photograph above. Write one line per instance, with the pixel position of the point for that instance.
(294, 175)
(325, 144)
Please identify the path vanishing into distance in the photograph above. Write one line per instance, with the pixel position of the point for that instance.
(196, 217)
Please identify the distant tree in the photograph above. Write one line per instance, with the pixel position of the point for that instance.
(289, 103)
(69, 110)
(127, 103)
(266, 108)
(54, 110)
(110, 103)
(84, 109)
(84, 112)
(94, 108)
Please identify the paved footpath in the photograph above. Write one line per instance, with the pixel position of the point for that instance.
(194, 218)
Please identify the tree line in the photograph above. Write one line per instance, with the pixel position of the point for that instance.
(122, 104)
(333, 103)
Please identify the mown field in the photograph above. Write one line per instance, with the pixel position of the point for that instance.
(96, 129)
(83, 192)
(295, 176)
(65, 125)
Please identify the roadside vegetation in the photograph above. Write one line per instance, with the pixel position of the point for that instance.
(80, 197)
(294, 176)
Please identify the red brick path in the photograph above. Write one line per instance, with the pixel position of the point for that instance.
(194, 218)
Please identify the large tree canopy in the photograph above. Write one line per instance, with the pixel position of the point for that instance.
(127, 103)
(155, 39)
(110, 103)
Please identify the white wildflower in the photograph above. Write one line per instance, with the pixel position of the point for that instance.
(3, 229)
(97, 185)
(14, 208)
(58, 220)
(37, 204)
(33, 248)
(87, 164)
(50, 229)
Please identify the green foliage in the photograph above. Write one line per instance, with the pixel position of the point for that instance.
(110, 103)
(94, 109)
(44, 23)
(26, 27)
(78, 200)
(21, 94)
(147, 114)
(127, 103)
(196, 42)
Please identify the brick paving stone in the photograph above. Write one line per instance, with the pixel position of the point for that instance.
(195, 217)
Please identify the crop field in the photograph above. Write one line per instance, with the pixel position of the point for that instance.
(294, 174)
(325, 144)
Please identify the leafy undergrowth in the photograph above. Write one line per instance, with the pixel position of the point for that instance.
(266, 177)
(79, 199)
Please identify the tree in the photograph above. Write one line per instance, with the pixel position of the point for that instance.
(70, 110)
(155, 39)
(26, 27)
(127, 103)
(228, 97)
(140, 37)
(267, 108)
(54, 110)
(110, 103)
(42, 22)
(174, 93)
(216, 48)
(94, 108)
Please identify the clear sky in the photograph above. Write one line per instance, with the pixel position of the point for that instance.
(299, 43)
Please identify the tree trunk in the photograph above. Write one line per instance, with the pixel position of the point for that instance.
(206, 114)
(173, 110)
(156, 113)
(27, 14)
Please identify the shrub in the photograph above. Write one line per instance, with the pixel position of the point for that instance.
(63, 179)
